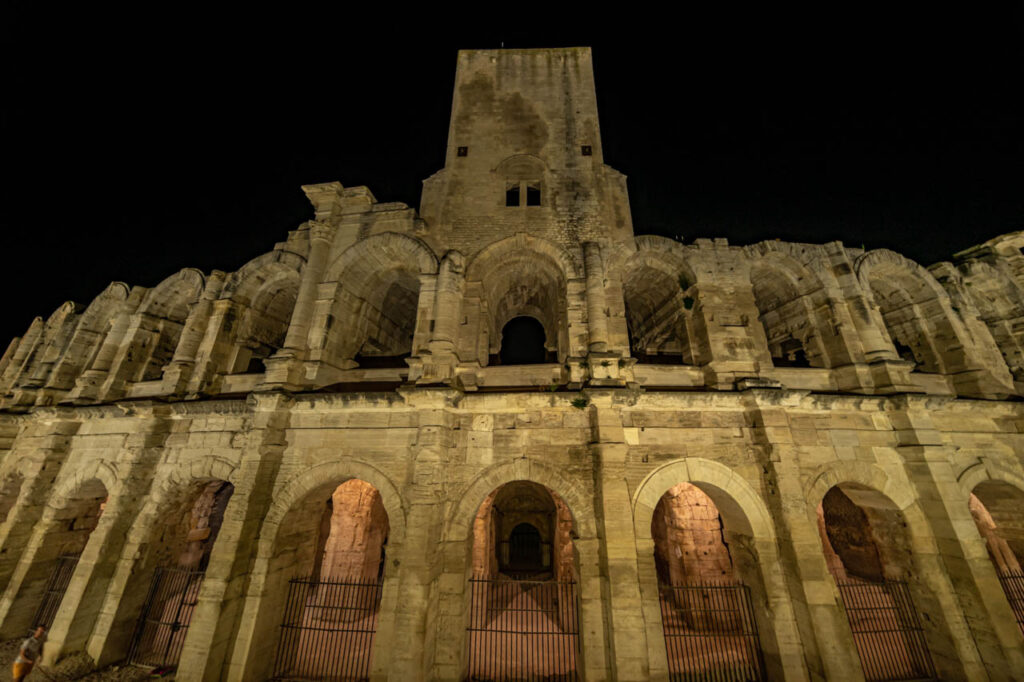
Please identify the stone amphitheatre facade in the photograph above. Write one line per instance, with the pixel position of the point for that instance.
(345, 457)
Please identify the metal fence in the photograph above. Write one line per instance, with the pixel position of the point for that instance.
(56, 586)
(327, 631)
(886, 630)
(710, 632)
(1013, 586)
(165, 617)
(523, 630)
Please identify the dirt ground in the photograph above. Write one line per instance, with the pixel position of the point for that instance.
(73, 668)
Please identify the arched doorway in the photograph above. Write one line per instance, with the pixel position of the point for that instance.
(996, 507)
(67, 530)
(706, 610)
(523, 342)
(868, 552)
(523, 615)
(334, 551)
(179, 554)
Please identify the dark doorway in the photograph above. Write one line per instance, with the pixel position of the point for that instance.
(522, 342)
(525, 552)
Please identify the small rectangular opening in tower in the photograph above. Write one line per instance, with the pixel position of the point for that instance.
(532, 195)
(462, 151)
(587, 150)
(512, 195)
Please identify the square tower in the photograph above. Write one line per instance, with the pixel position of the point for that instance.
(524, 154)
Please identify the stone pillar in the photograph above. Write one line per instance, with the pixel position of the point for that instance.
(283, 368)
(88, 385)
(179, 371)
(42, 451)
(420, 637)
(987, 640)
(597, 319)
(820, 627)
(221, 602)
(628, 632)
(214, 348)
(437, 364)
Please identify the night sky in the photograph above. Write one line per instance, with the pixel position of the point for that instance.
(138, 144)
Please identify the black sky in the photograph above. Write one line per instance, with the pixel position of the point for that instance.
(136, 144)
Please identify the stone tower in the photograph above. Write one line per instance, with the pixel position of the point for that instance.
(325, 460)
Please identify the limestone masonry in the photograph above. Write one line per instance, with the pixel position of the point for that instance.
(399, 440)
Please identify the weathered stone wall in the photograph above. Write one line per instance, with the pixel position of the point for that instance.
(772, 387)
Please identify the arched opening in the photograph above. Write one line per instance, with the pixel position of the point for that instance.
(707, 613)
(156, 606)
(389, 321)
(324, 585)
(523, 343)
(524, 294)
(996, 508)
(785, 318)
(894, 617)
(657, 315)
(264, 327)
(67, 531)
(912, 314)
(161, 319)
(523, 620)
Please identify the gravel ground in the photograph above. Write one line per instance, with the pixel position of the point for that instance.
(73, 668)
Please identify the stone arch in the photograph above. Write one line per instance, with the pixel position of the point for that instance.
(374, 310)
(889, 513)
(264, 297)
(459, 524)
(457, 543)
(310, 480)
(914, 309)
(999, 302)
(275, 565)
(92, 328)
(788, 297)
(523, 276)
(658, 294)
(166, 533)
(161, 319)
(73, 512)
(752, 545)
(36, 366)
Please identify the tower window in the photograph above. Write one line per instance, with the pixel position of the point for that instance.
(532, 195)
(462, 151)
(512, 195)
(587, 150)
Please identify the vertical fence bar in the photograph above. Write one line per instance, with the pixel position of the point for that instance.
(886, 630)
(327, 630)
(710, 632)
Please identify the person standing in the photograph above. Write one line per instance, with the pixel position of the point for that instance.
(27, 654)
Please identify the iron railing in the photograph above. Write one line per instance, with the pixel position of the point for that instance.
(1013, 586)
(710, 632)
(886, 630)
(163, 624)
(523, 630)
(56, 586)
(327, 631)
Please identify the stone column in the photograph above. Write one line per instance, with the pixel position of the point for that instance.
(420, 637)
(987, 640)
(597, 319)
(820, 627)
(42, 451)
(283, 367)
(438, 364)
(179, 370)
(628, 632)
(221, 602)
